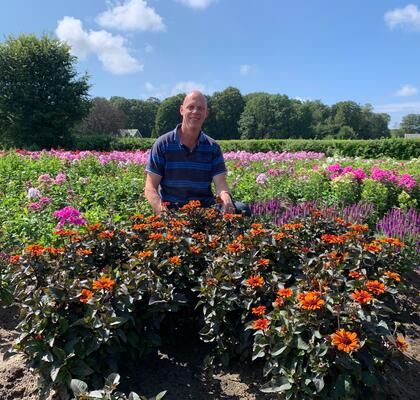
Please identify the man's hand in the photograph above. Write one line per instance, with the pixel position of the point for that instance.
(227, 206)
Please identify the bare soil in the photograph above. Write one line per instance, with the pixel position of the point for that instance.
(177, 368)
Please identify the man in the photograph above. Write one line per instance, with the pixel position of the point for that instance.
(184, 162)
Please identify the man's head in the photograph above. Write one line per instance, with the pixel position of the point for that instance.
(194, 110)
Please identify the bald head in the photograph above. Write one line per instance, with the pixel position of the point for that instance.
(196, 95)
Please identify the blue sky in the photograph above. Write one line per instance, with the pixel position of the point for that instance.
(366, 51)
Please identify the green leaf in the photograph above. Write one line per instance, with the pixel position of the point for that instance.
(133, 396)
(277, 352)
(277, 385)
(112, 380)
(80, 368)
(54, 372)
(160, 395)
(301, 344)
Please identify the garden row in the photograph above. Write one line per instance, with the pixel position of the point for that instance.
(316, 299)
(402, 149)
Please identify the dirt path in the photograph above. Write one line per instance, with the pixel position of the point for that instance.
(177, 368)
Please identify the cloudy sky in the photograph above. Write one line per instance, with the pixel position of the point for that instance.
(365, 51)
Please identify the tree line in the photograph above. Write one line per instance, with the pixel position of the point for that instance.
(44, 103)
(234, 116)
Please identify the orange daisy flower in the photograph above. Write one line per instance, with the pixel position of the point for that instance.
(54, 250)
(158, 224)
(137, 216)
(94, 227)
(279, 236)
(345, 340)
(103, 283)
(35, 249)
(278, 302)
(234, 247)
(259, 311)
(156, 236)
(292, 227)
(372, 247)
(85, 295)
(84, 252)
(356, 275)
(310, 300)
(176, 260)
(146, 253)
(255, 281)
(334, 239)
(195, 249)
(361, 296)
(402, 345)
(285, 292)
(263, 261)
(393, 275)
(141, 227)
(392, 241)
(106, 235)
(14, 259)
(262, 324)
(359, 227)
(375, 287)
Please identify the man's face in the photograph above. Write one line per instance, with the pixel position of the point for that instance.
(194, 111)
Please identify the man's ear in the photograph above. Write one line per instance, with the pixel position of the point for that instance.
(181, 109)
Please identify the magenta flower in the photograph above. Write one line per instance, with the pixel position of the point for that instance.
(69, 215)
(34, 206)
(407, 181)
(46, 178)
(59, 178)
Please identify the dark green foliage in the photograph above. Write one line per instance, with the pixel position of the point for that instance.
(168, 116)
(40, 98)
(410, 124)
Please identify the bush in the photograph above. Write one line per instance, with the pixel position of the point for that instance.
(284, 295)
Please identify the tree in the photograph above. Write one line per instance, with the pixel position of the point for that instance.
(103, 119)
(168, 116)
(225, 109)
(41, 98)
(410, 124)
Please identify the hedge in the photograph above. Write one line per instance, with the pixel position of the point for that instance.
(403, 149)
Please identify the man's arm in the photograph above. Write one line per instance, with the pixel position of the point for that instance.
(222, 191)
(151, 192)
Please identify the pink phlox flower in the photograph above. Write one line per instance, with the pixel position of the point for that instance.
(407, 181)
(261, 179)
(69, 215)
(46, 178)
(35, 206)
(45, 200)
(336, 167)
(59, 178)
(359, 173)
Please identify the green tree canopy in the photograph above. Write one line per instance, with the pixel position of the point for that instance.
(410, 124)
(41, 97)
(168, 116)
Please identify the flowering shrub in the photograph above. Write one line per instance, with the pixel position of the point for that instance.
(315, 298)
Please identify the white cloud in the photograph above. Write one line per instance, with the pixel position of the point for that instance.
(245, 69)
(406, 90)
(149, 87)
(160, 92)
(197, 4)
(132, 15)
(186, 87)
(110, 49)
(408, 17)
(406, 108)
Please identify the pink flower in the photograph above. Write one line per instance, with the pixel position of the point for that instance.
(45, 200)
(34, 206)
(46, 178)
(69, 215)
(59, 178)
(407, 181)
(359, 173)
(334, 168)
(261, 179)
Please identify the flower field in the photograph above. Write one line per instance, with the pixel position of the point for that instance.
(311, 289)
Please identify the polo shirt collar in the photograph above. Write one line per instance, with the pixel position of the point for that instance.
(201, 136)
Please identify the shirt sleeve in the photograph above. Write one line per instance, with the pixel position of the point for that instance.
(156, 161)
(218, 162)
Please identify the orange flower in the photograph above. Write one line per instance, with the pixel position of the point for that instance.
(372, 247)
(103, 283)
(84, 252)
(285, 292)
(279, 236)
(340, 221)
(85, 295)
(94, 227)
(361, 296)
(263, 261)
(158, 224)
(255, 281)
(141, 227)
(356, 275)
(311, 300)
(156, 236)
(170, 236)
(153, 218)
(35, 249)
(175, 260)
(345, 340)
(210, 213)
(210, 281)
(180, 222)
(393, 275)
(228, 216)
(338, 257)
(234, 247)
(106, 235)
(257, 231)
(278, 302)
(375, 287)
(334, 239)
(256, 226)
(200, 236)
(54, 250)
(292, 227)
(14, 259)
(262, 323)
(65, 232)
(146, 253)
(259, 311)
(401, 343)
(195, 249)
(392, 241)
(137, 216)
(191, 204)
(359, 227)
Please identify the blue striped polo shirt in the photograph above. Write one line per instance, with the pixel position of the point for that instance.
(186, 175)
